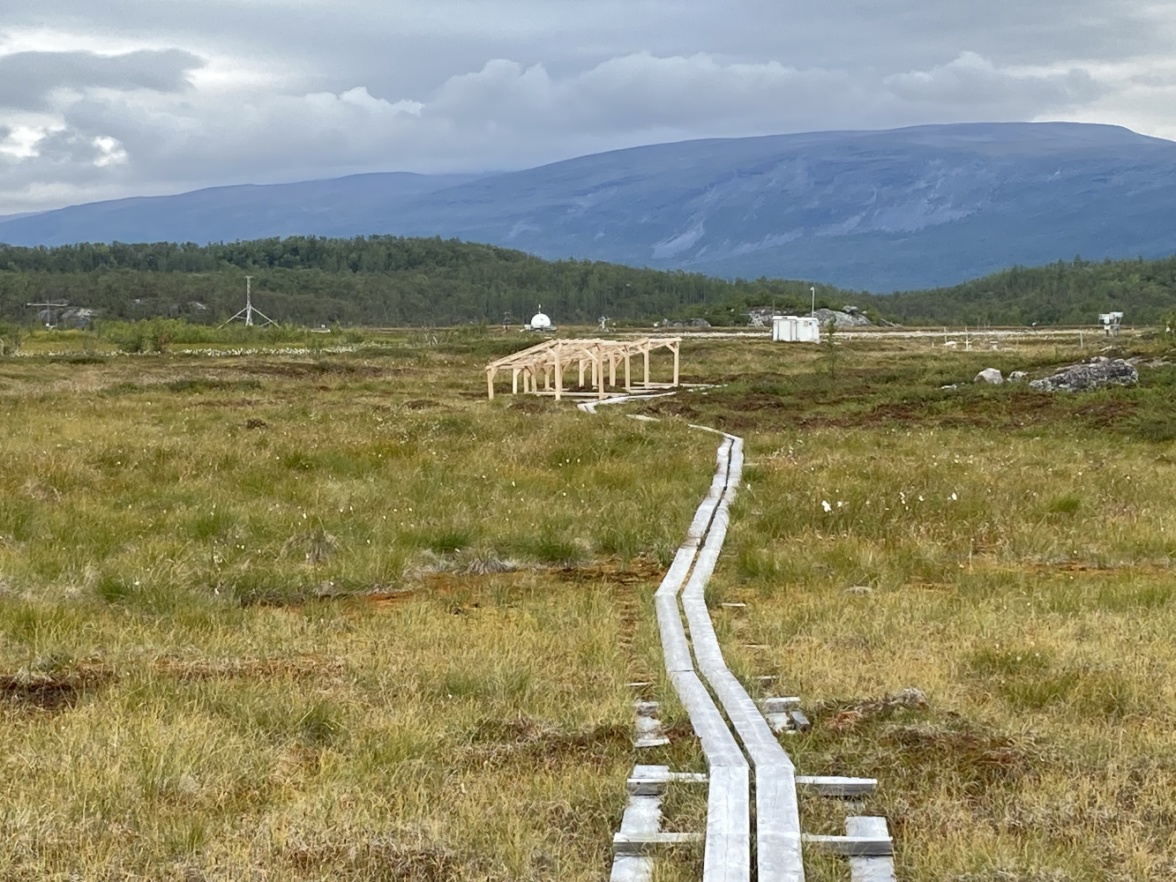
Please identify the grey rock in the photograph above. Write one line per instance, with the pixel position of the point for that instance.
(1080, 377)
(989, 375)
(1017, 377)
(842, 319)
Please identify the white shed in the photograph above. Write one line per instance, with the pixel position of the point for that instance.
(794, 329)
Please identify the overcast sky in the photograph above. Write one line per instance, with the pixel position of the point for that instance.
(139, 97)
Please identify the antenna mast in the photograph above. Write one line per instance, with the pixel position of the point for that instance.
(248, 312)
(49, 308)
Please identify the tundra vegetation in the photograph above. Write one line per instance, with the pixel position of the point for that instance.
(333, 615)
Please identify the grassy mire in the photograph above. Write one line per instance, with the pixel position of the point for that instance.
(290, 618)
(973, 591)
(338, 618)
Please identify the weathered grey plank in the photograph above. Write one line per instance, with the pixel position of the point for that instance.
(647, 843)
(835, 785)
(653, 783)
(631, 868)
(727, 850)
(778, 839)
(642, 817)
(776, 712)
(649, 733)
(870, 869)
(851, 846)
(779, 705)
(727, 854)
(649, 727)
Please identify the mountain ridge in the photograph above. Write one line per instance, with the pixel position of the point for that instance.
(918, 207)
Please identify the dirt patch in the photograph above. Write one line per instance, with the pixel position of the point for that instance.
(422, 404)
(1088, 568)
(976, 757)
(225, 403)
(532, 404)
(302, 370)
(1010, 412)
(523, 740)
(474, 577)
(298, 667)
(669, 407)
(846, 716)
(640, 570)
(384, 860)
(52, 691)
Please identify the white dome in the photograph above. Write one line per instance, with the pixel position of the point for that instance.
(540, 322)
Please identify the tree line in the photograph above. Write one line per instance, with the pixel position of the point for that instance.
(1062, 293)
(373, 281)
(396, 281)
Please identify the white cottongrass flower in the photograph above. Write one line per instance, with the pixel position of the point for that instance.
(825, 505)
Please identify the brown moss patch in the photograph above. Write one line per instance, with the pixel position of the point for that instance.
(53, 690)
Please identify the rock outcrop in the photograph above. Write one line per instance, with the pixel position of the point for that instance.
(849, 317)
(989, 375)
(1097, 373)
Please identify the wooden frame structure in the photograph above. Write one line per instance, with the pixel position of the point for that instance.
(548, 362)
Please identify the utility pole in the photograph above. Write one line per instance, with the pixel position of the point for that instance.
(48, 308)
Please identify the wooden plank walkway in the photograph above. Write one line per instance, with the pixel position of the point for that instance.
(878, 868)
(778, 838)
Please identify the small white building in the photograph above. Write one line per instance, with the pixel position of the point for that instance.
(796, 329)
(540, 322)
(1110, 322)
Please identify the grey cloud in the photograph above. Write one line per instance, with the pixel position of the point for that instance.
(511, 115)
(400, 47)
(462, 85)
(27, 78)
(68, 147)
(971, 82)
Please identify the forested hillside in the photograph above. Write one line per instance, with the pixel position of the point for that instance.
(1062, 293)
(384, 280)
(379, 280)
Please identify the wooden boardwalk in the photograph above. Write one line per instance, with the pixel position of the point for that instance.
(742, 753)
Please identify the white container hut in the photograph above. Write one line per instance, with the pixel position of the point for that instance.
(796, 329)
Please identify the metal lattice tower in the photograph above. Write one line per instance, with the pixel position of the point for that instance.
(248, 312)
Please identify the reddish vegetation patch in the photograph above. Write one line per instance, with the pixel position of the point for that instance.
(670, 407)
(297, 667)
(53, 691)
(638, 571)
(499, 742)
(531, 404)
(299, 369)
(759, 410)
(225, 403)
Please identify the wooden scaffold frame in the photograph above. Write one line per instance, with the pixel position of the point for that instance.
(549, 361)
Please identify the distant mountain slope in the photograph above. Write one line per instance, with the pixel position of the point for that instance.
(901, 209)
(224, 214)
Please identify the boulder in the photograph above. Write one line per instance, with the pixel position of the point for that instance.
(1080, 377)
(842, 319)
(1017, 377)
(989, 375)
